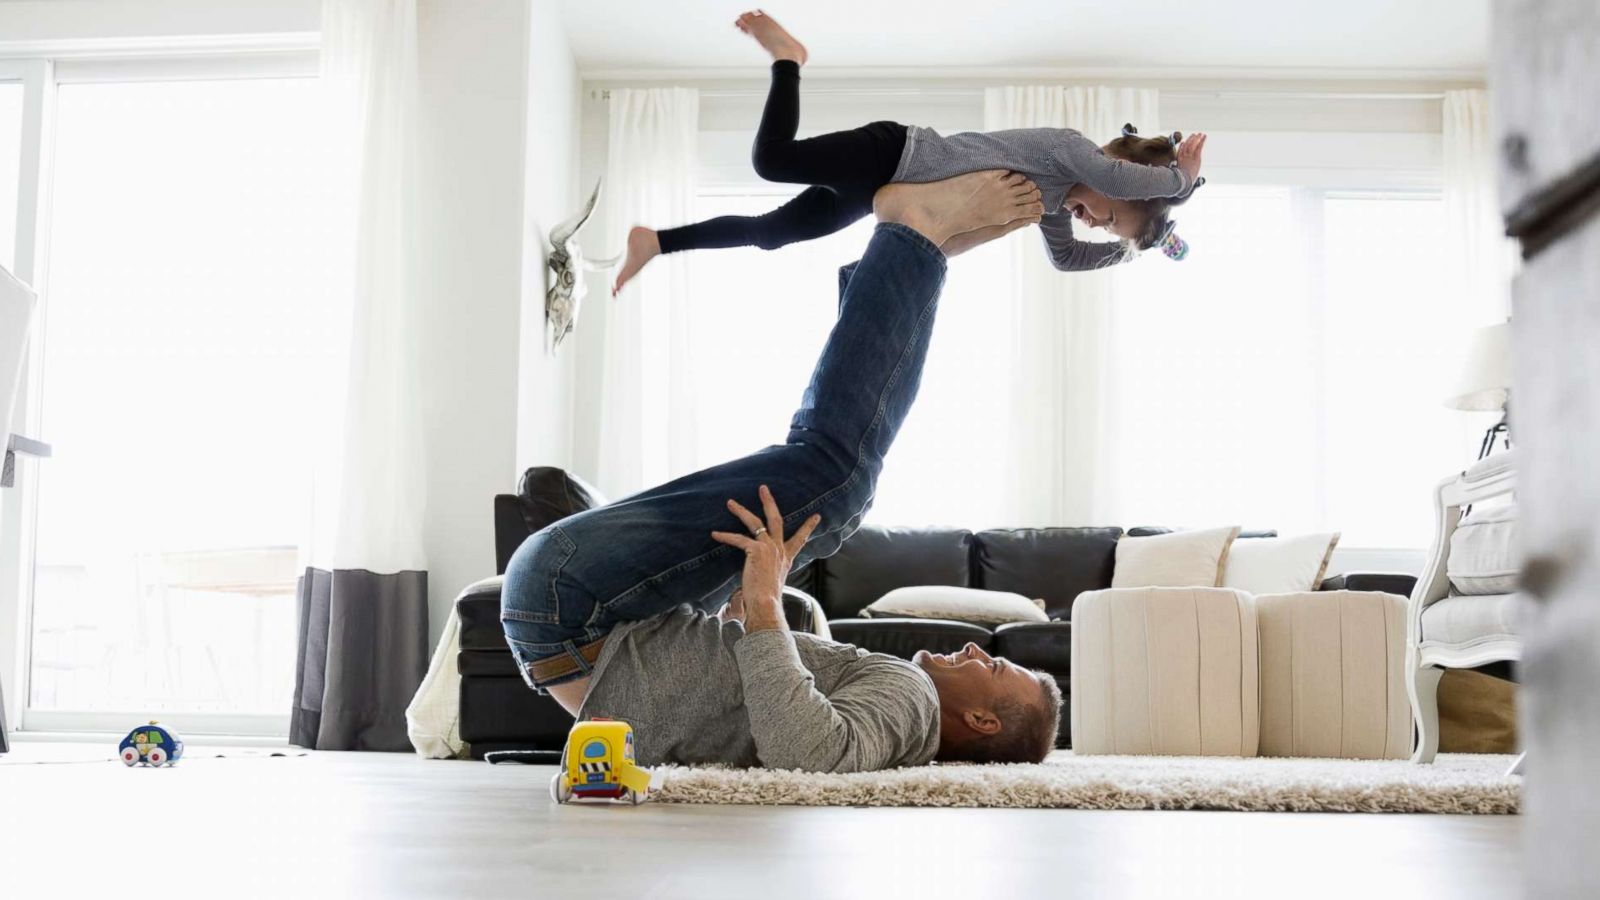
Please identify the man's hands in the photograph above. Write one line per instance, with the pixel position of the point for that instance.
(1189, 154)
(767, 557)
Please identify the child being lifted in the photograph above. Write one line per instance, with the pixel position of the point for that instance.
(1125, 187)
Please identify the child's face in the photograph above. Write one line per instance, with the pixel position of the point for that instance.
(1096, 210)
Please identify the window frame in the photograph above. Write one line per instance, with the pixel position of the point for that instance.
(41, 69)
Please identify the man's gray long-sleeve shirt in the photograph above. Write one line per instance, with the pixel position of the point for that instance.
(697, 690)
(1055, 159)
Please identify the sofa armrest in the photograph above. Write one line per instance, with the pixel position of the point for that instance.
(1387, 582)
(804, 613)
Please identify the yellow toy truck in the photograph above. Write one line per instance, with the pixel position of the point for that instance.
(598, 762)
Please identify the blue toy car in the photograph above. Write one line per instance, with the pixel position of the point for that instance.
(151, 745)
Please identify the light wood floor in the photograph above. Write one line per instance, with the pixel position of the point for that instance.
(388, 825)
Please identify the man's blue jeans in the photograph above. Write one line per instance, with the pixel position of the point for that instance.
(571, 583)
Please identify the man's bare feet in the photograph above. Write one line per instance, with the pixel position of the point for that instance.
(643, 246)
(769, 34)
(940, 210)
(966, 240)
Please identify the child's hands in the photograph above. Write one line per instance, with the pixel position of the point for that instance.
(1189, 154)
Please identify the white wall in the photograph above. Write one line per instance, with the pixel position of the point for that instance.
(475, 69)
(545, 384)
(499, 94)
(45, 20)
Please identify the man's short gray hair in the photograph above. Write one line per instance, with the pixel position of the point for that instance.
(1027, 728)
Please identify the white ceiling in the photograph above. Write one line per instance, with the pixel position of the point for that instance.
(1428, 35)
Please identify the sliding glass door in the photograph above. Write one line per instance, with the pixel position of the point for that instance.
(188, 325)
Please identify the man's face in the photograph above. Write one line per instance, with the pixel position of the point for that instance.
(970, 679)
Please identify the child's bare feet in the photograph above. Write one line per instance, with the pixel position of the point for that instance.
(940, 210)
(769, 34)
(643, 246)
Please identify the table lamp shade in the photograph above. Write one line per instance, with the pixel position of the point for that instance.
(1485, 380)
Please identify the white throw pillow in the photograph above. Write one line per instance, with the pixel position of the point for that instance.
(1179, 559)
(958, 603)
(1284, 565)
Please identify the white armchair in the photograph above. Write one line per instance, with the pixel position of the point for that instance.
(1447, 628)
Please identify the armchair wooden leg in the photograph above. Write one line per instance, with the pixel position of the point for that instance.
(1424, 689)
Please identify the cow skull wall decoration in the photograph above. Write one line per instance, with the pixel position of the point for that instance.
(567, 264)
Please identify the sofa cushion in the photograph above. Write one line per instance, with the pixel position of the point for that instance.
(807, 578)
(1053, 564)
(1286, 565)
(1036, 645)
(904, 637)
(1484, 557)
(1180, 559)
(876, 560)
(1463, 620)
(959, 604)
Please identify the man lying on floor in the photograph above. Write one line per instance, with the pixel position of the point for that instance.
(614, 611)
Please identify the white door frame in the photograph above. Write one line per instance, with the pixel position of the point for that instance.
(17, 503)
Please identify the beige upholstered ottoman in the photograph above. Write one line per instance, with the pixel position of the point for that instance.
(1332, 675)
(1164, 671)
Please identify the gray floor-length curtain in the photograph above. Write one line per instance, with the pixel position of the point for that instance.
(363, 598)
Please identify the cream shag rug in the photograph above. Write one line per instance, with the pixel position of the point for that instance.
(1456, 783)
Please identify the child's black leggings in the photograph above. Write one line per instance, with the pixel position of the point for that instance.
(845, 169)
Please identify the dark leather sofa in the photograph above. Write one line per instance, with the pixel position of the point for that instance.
(1055, 564)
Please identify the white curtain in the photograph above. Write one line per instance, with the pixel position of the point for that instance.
(1484, 259)
(363, 595)
(646, 409)
(1059, 450)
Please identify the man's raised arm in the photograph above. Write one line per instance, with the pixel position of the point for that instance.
(864, 726)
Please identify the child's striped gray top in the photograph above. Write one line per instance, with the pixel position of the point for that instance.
(1056, 159)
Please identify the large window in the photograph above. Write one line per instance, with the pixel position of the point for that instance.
(1288, 374)
(188, 325)
(768, 315)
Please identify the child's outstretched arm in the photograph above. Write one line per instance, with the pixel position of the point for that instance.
(1081, 159)
(1068, 254)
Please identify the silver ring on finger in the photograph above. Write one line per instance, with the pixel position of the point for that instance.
(760, 531)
